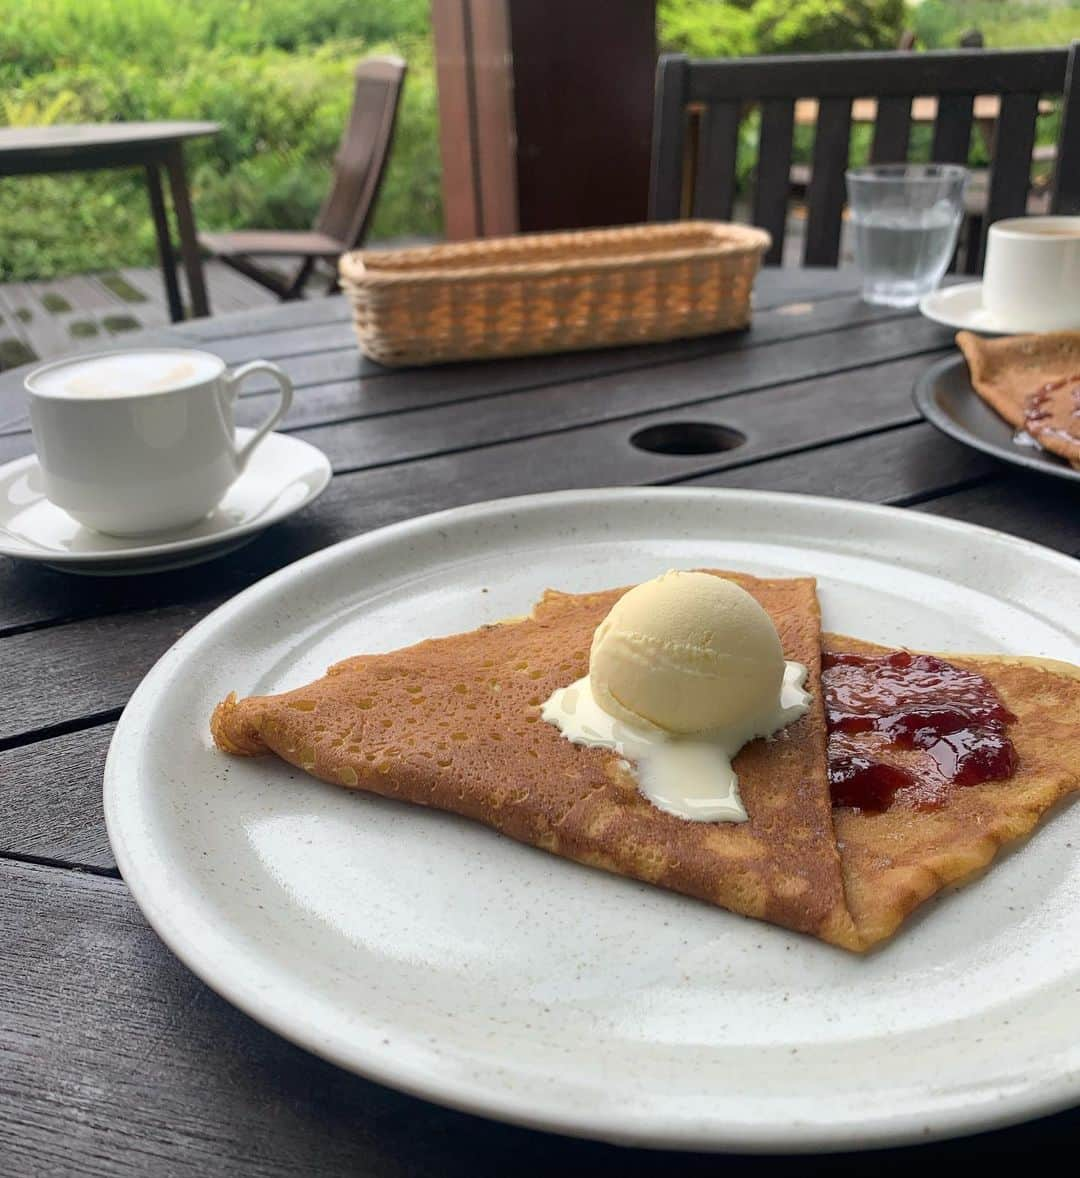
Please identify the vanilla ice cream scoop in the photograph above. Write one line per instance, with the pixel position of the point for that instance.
(687, 652)
(683, 672)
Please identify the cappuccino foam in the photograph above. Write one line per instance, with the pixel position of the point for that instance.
(126, 374)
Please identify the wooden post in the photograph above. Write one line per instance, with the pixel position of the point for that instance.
(476, 117)
(545, 111)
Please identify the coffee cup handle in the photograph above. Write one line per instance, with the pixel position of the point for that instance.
(233, 381)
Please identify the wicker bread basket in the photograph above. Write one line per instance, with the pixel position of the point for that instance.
(552, 292)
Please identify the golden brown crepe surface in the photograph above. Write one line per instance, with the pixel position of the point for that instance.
(1007, 372)
(895, 860)
(455, 723)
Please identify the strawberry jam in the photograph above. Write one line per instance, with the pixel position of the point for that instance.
(1047, 413)
(910, 701)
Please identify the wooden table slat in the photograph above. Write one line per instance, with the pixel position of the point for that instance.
(597, 450)
(775, 421)
(44, 787)
(320, 376)
(119, 1063)
(310, 313)
(51, 796)
(116, 1060)
(682, 390)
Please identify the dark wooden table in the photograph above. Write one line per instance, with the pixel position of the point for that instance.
(114, 1059)
(85, 147)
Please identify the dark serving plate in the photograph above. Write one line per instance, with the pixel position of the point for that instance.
(946, 399)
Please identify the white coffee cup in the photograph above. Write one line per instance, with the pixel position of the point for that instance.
(1031, 280)
(136, 442)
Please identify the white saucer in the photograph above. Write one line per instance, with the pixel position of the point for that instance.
(284, 474)
(962, 307)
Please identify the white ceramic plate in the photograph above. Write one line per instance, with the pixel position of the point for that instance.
(440, 958)
(962, 307)
(284, 474)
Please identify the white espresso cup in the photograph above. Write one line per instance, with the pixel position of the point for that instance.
(1031, 280)
(136, 442)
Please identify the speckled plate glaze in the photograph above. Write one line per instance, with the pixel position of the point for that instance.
(946, 399)
(283, 475)
(442, 959)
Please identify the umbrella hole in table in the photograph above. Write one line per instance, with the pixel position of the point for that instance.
(687, 437)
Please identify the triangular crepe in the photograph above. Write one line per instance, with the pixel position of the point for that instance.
(455, 723)
(895, 860)
(1033, 382)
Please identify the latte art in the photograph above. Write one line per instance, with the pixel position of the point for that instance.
(131, 374)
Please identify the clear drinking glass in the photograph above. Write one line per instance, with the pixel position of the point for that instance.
(906, 218)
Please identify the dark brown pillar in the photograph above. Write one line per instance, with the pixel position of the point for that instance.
(545, 112)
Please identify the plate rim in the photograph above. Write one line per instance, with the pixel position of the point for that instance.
(183, 544)
(454, 1091)
(924, 395)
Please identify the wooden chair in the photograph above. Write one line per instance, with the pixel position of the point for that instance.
(346, 212)
(799, 174)
(702, 183)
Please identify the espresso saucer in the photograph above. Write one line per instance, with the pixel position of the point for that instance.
(283, 475)
(962, 307)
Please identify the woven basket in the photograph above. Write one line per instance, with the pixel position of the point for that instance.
(552, 292)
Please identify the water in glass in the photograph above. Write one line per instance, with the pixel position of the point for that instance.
(903, 253)
(906, 219)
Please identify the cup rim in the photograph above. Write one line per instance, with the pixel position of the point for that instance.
(882, 173)
(1019, 228)
(182, 386)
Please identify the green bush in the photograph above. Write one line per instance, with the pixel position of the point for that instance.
(37, 36)
(1004, 24)
(277, 76)
(706, 28)
(728, 28)
(827, 26)
(724, 28)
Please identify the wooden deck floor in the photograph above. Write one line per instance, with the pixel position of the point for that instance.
(43, 319)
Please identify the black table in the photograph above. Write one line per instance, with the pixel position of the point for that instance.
(85, 147)
(114, 1060)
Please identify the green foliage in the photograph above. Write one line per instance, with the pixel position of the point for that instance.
(706, 28)
(54, 303)
(43, 35)
(1004, 24)
(117, 323)
(728, 28)
(277, 76)
(30, 112)
(723, 28)
(14, 352)
(827, 26)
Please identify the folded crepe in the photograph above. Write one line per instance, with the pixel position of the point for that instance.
(454, 723)
(1033, 382)
(894, 860)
